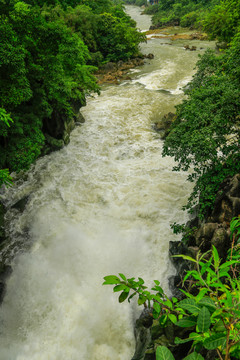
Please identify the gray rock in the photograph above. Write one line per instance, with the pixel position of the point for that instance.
(163, 125)
(142, 332)
(55, 144)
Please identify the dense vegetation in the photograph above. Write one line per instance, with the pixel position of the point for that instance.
(137, 2)
(219, 18)
(205, 136)
(205, 141)
(207, 318)
(48, 52)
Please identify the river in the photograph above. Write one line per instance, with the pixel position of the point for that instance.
(100, 206)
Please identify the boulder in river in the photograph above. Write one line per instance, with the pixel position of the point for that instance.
(162, 126)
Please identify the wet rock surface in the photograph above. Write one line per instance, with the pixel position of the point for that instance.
(214, 230)
(162, 126)
(114, 73)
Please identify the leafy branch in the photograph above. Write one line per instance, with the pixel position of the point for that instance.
(213, 312)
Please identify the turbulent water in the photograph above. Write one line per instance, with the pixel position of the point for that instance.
(100, 206)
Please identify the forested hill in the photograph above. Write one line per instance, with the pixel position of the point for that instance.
(48, 52)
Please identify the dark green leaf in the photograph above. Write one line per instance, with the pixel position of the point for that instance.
(208, 302)
(187, 321)
(141, 299)
(203, 321)
(123, 296)
(120, 288)
(214, 341)
(190, 305)
(194, 356)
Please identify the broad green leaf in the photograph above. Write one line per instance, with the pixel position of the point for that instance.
(163, 353)
(173, 318)
(190, 305)
(219, 326)
(141, 299)
(123, 276)
(157, 307)
(188, 321)
(123, 296)
(194, 356)
(208, 302)
(214, 341)
(203, 321)
(111, 279)
(158, 289)
(120, 288)
(168, 303)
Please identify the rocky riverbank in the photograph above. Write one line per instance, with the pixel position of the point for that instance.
(199, 237)
(175, 33)
(114, 73)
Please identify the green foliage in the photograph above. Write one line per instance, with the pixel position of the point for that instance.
(190, 19)
(5, 178)
(110, 36)
(219, 19)
(136, 2)
(223, 21)
(175, 12)
(162, 353)
(213, 311)
(47, 52)
(43, 69)
(187, 232)
(116, 40)
(205, 135)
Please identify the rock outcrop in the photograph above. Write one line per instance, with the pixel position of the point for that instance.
(57, 129)
(115, 72)
(214, 230)
(162, 126)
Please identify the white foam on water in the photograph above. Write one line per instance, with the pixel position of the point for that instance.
(100, 206)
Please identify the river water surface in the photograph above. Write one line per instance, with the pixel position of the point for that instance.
(100, 206)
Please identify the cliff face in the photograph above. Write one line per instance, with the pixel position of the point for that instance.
(57, 129)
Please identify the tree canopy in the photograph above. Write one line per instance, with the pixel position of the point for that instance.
(220, 19)
(205, 137)
(49, 50)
